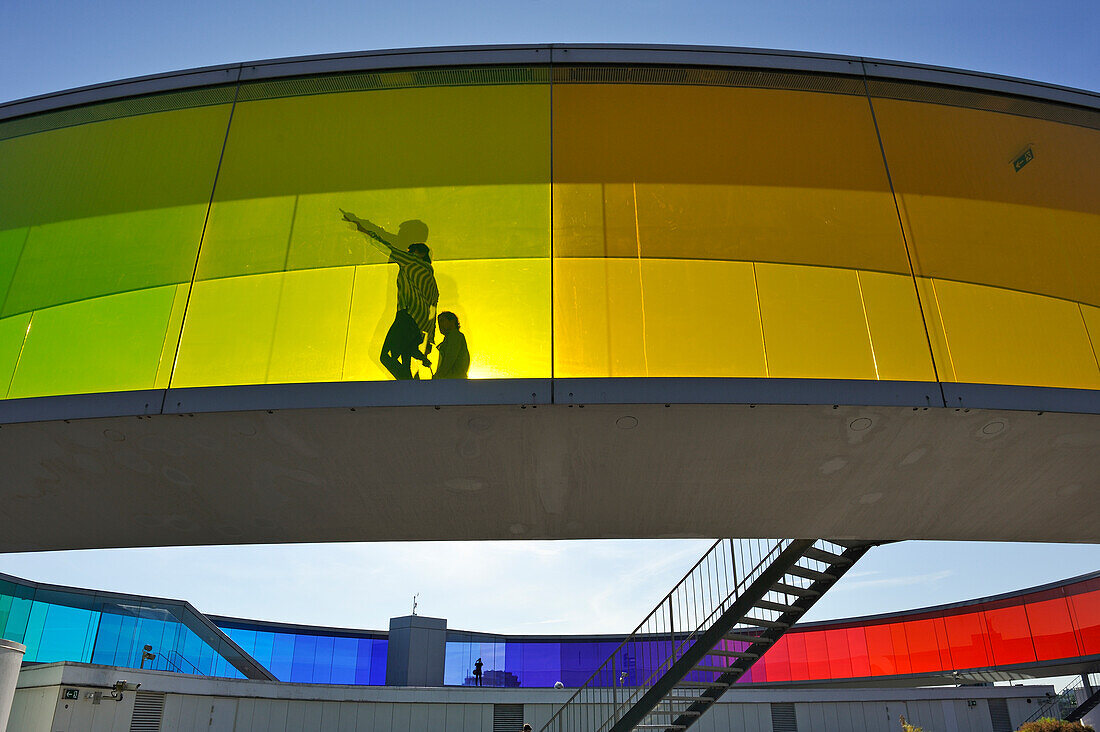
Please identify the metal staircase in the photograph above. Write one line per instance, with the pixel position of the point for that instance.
(737, 600)
(1064, 704)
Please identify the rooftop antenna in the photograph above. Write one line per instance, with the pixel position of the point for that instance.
(414, 602)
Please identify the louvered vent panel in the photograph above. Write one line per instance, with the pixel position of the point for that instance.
(973, 99)
(998, 715)
(368, 81)
(783, 718)
(507, 717)
(148, 710)
(132, 107)
(690, 76)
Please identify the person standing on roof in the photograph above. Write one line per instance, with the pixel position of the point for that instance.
(417, 293)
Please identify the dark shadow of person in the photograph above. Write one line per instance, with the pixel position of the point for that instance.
(417, 293)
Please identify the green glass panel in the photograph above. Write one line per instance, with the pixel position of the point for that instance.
(18, 614)
(104, 344)
(64, 634)
(11, 246)
(36, 623)
(5, 609)
(13, 332)
(103, 255)
(246, 237)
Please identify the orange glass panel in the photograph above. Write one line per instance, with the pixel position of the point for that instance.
(880, 650)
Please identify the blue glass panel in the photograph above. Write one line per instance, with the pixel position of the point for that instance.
(301, 670)
(344, 654)
(64, 634)
(378, 662)
(265, 642)
(541, 664)
(363, 653)
(110, 627)
(282, 656)
(322, 659)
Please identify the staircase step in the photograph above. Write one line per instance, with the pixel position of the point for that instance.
(733, 654)
(747, 638)
(718, 669)
(701, 684)
(851, 543)
(810, 573)
(777, 606)
(749, 620)
(660, 726)
(673, 712)
(686, 699)
(823, 556)
(794, 590)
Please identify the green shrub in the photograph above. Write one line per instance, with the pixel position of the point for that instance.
(1048, 724)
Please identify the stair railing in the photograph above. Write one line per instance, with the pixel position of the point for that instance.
(1065, 701)
(708, 589)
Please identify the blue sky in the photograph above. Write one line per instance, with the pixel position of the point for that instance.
(527, 587)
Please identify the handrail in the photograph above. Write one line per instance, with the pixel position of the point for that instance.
(701, 596)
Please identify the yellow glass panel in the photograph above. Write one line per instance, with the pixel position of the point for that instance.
(898, 340)
(374, 293)
(814, 324)
(701, 319)
(598, 318)
(228, 331)
(941, 351)
(312, 326)
(721, 173)
(471, 164)
(1092, 324)
(999, 336)
(502, 305)
(973, 217)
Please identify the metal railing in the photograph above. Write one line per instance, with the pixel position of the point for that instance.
(1066, 700)
(707, 590)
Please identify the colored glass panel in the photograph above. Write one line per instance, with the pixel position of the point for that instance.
(658, 253)
(966, 633)
(1009, 249)
(106, 219)
(1009, 635)
(880, 651)
(313, 296)
(1085, 609)
(1051, 629)
(924, 652)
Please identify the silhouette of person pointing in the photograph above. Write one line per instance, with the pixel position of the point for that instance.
(417, 293)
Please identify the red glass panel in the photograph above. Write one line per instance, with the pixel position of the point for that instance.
(1052, 629)
(924, 653)
(840, 658)
(800, 665)
(968, 642)
(1086, 619)
(857, 646)
(880, 650)
(1009, 636)
(943, 644)
(777, 661)
(817, 654)
(901, 648)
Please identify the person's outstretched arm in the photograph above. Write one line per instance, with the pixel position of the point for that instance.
(378, 236)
